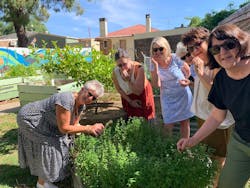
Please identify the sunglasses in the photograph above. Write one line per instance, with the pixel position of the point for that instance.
(121, 65)
(227, 45)
(156, 49)
(197, 45)
(91, 95)
(184, 57)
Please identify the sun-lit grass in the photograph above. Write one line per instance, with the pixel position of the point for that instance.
(11, 175)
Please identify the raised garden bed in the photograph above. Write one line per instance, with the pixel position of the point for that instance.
(30, 92)
(8, 87)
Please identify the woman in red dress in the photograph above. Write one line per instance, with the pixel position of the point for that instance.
(136, 91)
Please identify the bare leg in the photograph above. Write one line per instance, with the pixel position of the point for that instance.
(168, 129)
(40, 181)
(221, 162)
(185, 128)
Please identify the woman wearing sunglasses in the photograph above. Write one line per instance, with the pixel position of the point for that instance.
(46, 132)
(229, 48)
(175, 99)
(196, 41)
(184, 55)
(136, 91)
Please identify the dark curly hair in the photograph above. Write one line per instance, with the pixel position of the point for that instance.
(229, 31)
(195, 35)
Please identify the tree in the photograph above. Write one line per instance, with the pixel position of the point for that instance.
(194, 21)
(212, 19)
(33, 25)
(20, 12)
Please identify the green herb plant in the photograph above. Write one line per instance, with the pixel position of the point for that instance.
(136, 154)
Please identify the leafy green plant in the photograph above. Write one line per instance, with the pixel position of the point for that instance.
(70, 62)
(21, 71)
(136, 154)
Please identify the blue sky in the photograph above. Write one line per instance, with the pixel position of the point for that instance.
(165, 14)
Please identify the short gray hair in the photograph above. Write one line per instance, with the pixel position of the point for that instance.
(96, 86)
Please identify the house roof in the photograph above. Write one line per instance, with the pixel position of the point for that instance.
(136, 29)
(241, 18)
(30, 34)
(240, 14)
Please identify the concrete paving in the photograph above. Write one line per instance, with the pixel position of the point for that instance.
(9, 106)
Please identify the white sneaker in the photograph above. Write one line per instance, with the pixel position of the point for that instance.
(46, 185)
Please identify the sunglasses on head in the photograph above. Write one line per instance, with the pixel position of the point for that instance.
(156, 49)
(196, 45)
(227, 45)
(184, 57)
(91, 95)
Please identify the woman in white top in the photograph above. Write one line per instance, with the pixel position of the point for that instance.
(136, 91)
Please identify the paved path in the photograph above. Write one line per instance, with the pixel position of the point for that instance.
(9, 106)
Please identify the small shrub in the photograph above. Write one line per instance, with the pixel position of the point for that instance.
(20, 71)
(135, 154)
(70, 62)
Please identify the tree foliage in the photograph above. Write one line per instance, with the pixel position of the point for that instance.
(33, 25)
(20, 12)
(212, 19)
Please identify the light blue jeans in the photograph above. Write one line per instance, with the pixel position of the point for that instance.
(236, 170)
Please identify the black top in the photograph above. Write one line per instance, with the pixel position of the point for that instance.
(234, 95)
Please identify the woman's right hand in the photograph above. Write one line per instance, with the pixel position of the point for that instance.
(184, 143)
(198, 65)
(96, 129)
(154, 62)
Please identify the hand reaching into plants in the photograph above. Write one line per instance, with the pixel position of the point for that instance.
(95, 130)
(184, 143)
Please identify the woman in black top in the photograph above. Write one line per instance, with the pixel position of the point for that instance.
(229, 48)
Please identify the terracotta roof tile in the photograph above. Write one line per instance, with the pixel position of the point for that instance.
(136, 29)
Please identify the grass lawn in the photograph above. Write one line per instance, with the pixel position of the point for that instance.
(11, 175)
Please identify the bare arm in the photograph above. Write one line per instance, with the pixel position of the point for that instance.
(213, 121)
(138, 86)
(186, 70)
(206, 77)
(63, 121)
(155, 80)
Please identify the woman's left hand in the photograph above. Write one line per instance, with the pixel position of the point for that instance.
(184, 82)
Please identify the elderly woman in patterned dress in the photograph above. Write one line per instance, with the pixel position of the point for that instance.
(46, 129)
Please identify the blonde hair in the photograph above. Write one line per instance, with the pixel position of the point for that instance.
(161, 41)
